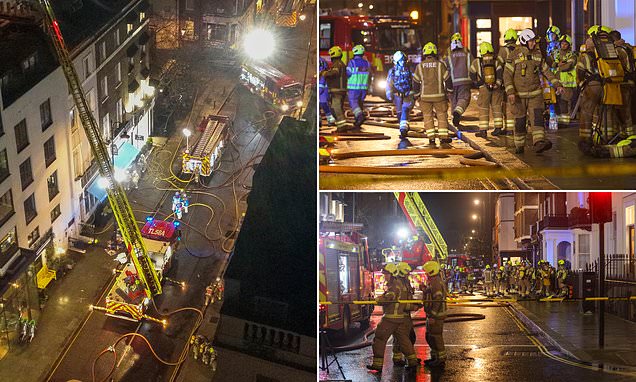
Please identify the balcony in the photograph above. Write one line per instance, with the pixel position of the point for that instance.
(553, 222)
(580, 218)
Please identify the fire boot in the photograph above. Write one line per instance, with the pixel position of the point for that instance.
(542, 145)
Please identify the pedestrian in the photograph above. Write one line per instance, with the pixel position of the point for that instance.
(399, 89)
(395, 321)
(432, 76)
(565, 69)
(135, 179)
(523, 86)
(336, 77)
(510, 44)
(458, 60)
(487, 74)
(323, 93)
(358, 75)
(435, 315)
(488, 281)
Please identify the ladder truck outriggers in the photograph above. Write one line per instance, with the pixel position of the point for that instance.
(139, 281)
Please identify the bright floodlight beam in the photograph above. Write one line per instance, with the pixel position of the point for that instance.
(403, 233)
(259, 44)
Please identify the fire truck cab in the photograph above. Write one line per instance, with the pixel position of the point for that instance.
(161, 240)
(381, 37)
(277, 88)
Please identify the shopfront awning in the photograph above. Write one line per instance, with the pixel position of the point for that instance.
(96, 190)
(126, 154)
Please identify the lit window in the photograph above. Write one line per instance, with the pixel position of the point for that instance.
(629, 215)
(484, 24)
(55, 213)
(142, 16)
(129, 28)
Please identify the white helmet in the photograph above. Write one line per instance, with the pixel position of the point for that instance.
(399, 56)
(526, 35)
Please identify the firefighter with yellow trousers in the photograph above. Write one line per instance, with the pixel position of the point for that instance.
(561, 276)
(395, 322)
(403, 272)
(435, 314)
(433, 77)
(591, 88)
(626, 55)
(523, 87)
(510, 44)
(565, 65)
(336, 78)
(458, 60)
(487, 74)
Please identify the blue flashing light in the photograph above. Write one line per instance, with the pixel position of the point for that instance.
(176, 223)
(149, 219)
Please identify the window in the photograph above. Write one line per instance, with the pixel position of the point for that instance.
(29, 209)
(104, 87)
(129, 28)
(9, 245)
(87, 66)
(120, 111)
(78, 165)
(53, 186)
(45, 114)
(21, 135)
(26, 173)
(49, 151)
(28, 65)
(106, 127)
(118, 73)
(116, 37)
(6, 206)
(4, 165)
(142, 16)
(55, 213)
(33, 236)
(102, 51)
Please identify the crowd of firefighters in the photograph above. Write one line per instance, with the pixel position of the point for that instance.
(527, 85)
(520, 278)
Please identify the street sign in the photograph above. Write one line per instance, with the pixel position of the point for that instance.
(139, 137)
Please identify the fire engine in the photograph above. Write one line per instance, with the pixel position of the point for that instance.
(200, 160)
(277, 88)
(381, 37)
(345, 275)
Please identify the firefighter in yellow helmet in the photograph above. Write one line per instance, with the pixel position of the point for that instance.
(336, 78)
(523, 87)
(403, 272)
(626, 56)
(432, 76)
(435, 314)
(565, 69)
(562, 275)
(487, 74)
(395, 322)
(510, 44)
(458, 60)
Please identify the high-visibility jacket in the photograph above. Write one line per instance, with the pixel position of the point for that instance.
(458, 63)
(488, 276)
(565, 61)
(396, 291)
(522, 74)
(358, 72)
(433, 76)
(436, 291)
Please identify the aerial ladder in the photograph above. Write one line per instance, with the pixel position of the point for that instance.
(144, 271)
(421, 220)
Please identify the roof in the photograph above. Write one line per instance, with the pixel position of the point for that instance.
(266, 70)
(158, 230)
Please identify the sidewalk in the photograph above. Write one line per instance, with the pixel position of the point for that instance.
(576, 334)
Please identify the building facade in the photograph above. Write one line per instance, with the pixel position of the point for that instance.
(504, 244)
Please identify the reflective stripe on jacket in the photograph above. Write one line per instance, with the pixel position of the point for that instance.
(432, 74)
(566, 67)
(395, 291)
(522, 74)
(358, 74)
(458, 63)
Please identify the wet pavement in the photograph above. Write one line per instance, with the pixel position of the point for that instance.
(493, 349)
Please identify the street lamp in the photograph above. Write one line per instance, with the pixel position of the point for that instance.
(474, 217)
(472, 231)
(259, 44)
(476, 201)
(187, 134)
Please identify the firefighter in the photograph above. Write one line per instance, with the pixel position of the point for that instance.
(451, 278)
(552, 38)
(488, 281)
(546, 279)
(176, 199)
(185, 201)
(323, 93)
(470, 281)
(565, 64)
(336, 78)
(524, 281)
(590, 88)
(458, 60)
(358, 71)
(435, 315)
(562, 275)
(209, 294)
(487, 74)
(399, 89)
(503, 281)
(626, 55)
(396, 321)
(403, 271)
(432, 76)
(134, 177)
(212, 358)
(523, 86)
(510, 40)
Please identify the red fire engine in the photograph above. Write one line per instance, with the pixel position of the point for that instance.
(345, 275)
(277, 88)
(381, 37)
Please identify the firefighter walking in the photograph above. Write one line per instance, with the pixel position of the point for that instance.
(487, 74)
(435, 315)
(323, 93)
(395, 322)
(433, 77)
(458, 60)
(399, 89)
(510, 41)
(358, 71)
(523, 87)
(336, 78)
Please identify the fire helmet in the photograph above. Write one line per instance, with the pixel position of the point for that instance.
(429, 49)
(358, 50)
(335, 51)
(510, 35)
(526, 35)
(431, 268)
(486, 48)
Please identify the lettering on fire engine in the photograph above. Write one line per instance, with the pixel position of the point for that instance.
(158, 232)
(414, 58)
